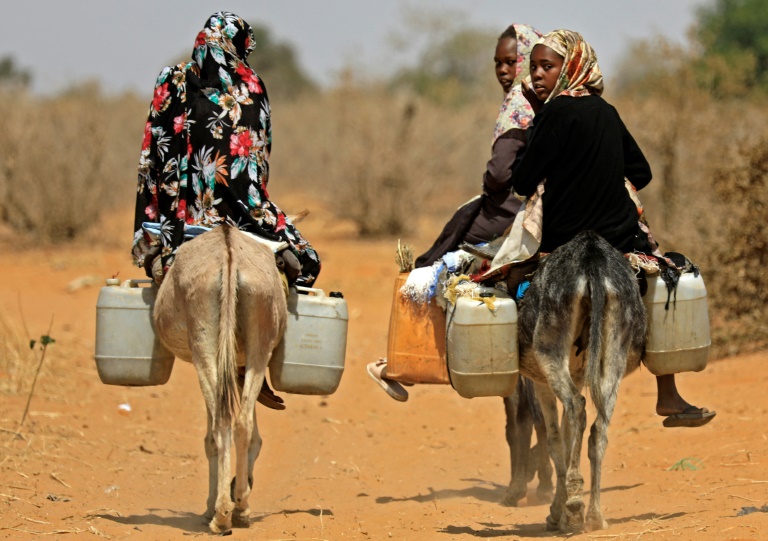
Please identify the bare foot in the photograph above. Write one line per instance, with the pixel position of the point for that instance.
(669, 401)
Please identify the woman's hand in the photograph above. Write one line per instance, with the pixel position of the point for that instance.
(530, 95)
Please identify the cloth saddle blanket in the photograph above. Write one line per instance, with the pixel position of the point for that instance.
(154, 231)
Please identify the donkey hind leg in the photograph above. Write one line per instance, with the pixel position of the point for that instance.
(556, 448)
(264, 332)
(217, 442)
(519, 428)
(575, 422)
(212, 454)
(607, 388)
(248, 445)
(552, 349)
(570, 483)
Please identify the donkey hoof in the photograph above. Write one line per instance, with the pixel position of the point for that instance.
(241, 518)
(595, 521)
(512, 497)
(222, 522)
(217, 528)
(553, 524)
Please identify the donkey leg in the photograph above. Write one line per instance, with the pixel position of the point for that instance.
(518, 433)
(245, 435)
(598, 441)
(540, 458)
(598, 437)
(573, 424)
(217, 440)
(222, 521)
(575, 419)
(212, 454)
(556, 448)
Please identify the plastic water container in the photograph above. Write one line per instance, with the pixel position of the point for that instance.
(128, 352)
(416, 340)
(481, 345)
(310, 357)
(678, 338)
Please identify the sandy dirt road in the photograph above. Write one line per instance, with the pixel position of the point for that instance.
(354, 465)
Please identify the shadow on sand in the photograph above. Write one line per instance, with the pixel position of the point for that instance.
(194, 523)
(481, 490)
(538, 530)
(189, 522)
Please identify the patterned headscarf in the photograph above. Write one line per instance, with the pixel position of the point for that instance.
(205, 155)
(515, 111)
(580, 76)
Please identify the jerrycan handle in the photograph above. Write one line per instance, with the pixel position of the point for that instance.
(310, 291)
(137, 282)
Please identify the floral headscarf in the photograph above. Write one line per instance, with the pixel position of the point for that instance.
(515, 111)
(580, 76)
(205, 155)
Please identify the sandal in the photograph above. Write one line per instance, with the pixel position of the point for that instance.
(270, 399)
(393, 388)
(691, 417)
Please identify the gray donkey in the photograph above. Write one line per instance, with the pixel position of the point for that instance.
(583, 295)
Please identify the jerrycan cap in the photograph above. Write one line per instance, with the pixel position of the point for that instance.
(113, 281)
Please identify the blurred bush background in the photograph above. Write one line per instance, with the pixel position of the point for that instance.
(381, 152)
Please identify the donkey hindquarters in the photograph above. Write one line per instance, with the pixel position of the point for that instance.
(222, 305)
(585, 289)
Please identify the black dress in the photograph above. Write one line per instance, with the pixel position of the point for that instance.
(584, 151)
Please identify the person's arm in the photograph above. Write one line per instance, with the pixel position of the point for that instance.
(636, 167)
(533, 162)
(160, 169)
(498, 171)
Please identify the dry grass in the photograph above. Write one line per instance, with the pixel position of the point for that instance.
(17, 360)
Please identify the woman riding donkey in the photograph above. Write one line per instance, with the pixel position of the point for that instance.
(205, 154)
(487, 216)
(205, 158)
(579, 145)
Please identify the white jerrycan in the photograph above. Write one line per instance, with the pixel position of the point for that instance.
(310, 357)
(128, 352)
(481, 345)
(678, 337)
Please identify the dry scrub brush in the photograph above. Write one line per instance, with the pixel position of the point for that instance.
(709, 199)
(65, 160)
(380, 158)
(740, 278)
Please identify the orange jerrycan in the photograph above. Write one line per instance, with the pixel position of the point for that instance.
(416, 343)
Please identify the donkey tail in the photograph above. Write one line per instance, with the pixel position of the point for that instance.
(597, 296)
(226, 353)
